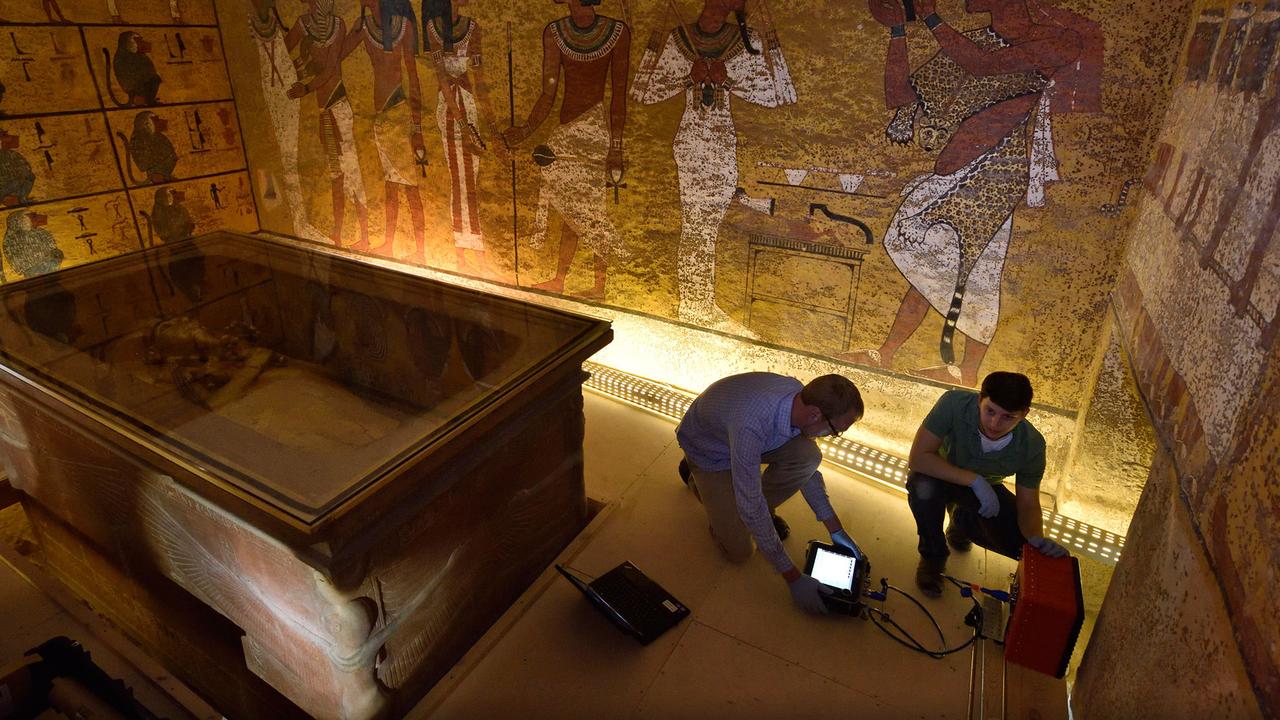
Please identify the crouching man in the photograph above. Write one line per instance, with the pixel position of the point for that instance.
(965, 448)
(743, 421)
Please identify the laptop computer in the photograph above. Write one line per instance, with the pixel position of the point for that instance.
(633, 602)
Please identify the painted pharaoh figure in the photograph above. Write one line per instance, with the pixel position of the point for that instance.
(321, 42)
(391, 43)
(276, 75)
(453, 42)
(583, 155)
(983, 105)
(710, 61)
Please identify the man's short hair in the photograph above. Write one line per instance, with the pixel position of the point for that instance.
(834, 395)
(1009, 390)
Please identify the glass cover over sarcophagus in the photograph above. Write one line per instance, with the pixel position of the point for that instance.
(357, 468)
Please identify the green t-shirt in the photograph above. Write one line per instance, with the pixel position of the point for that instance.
(954, 418)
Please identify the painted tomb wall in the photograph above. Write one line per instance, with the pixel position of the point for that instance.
(1197, 301)
(117, 131)
(817, 184)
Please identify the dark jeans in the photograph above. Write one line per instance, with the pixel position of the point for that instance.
(931, 498)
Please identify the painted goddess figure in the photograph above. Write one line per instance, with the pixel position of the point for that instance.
(710, 61)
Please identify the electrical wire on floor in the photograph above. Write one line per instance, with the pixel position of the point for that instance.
(900, 635)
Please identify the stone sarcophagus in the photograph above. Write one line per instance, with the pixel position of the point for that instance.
(289, 474)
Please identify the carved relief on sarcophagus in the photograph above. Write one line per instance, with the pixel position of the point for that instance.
(354, 467)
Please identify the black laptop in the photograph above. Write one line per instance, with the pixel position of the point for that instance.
(633, 602)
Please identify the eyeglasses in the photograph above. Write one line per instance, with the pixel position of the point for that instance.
(834, 432)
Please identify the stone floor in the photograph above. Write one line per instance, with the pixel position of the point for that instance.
(745, 651)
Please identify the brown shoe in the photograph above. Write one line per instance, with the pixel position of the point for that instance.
(929, 575)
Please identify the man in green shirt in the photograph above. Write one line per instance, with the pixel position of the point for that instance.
(965, 448)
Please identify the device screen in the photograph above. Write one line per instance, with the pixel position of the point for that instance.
(833, 569)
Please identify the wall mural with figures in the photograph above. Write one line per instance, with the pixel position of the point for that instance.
(117, 131)
(934, 188)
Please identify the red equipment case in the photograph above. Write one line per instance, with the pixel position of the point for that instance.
(1048, 610)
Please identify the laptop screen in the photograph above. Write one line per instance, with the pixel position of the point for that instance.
(833, 569)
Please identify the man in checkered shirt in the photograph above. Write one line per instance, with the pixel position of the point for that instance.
(743, 421)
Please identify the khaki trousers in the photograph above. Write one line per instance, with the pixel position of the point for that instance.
(789, 467)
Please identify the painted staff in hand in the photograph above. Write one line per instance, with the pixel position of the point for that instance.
(593, 51)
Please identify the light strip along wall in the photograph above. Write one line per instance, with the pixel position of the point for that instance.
(858, 459)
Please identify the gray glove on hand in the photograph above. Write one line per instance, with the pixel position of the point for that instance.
(988, 503)
(840, 538)
(1047, 547)
(807, 594)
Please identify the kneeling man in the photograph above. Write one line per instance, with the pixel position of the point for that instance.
(965, 448)
(743, 421)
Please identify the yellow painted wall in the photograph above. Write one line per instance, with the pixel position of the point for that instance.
(71, 190)
(831, 296)
(1197, 301)
(1187, 664)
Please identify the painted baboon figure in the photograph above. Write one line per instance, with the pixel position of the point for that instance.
(16, 177)
(710, 61)
(982, 104)
(172, 223)
(149, 149)
(321, 42)
(584, 153)
(30, 249)
(170, 220)
(133, 70)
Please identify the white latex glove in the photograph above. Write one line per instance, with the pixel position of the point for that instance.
(1047, 546)
(807, 594)
(988, 503)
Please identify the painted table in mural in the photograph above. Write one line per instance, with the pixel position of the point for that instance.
(796, 279)
(269, 464)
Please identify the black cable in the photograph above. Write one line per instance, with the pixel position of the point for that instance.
(941, 637)
(907, 640)
(910, 642)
